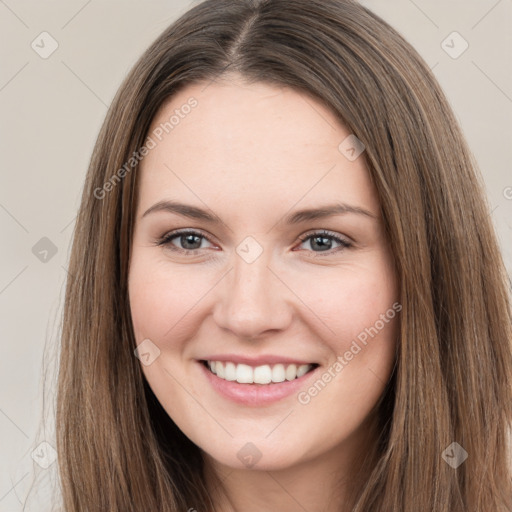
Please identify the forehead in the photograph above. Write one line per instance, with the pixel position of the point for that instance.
(252, 144)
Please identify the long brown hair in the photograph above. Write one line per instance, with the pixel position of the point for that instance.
(118, 449)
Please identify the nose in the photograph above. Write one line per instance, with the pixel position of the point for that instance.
(252, 300)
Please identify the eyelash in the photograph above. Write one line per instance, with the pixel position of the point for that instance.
(166, 240)
(344, 244)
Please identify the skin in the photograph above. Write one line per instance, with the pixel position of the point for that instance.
(252, 154)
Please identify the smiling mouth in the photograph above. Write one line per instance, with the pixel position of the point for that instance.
(264, 374)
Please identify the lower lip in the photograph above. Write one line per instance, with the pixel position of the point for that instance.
(255, 394)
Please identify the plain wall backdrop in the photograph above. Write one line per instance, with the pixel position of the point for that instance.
(61, 64)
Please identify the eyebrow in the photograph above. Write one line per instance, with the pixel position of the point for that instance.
(193, 212)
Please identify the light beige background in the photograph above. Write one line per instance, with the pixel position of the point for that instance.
(52, 109)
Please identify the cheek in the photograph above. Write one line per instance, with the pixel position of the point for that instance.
(163, 299)
(350, 300)
(361, 310)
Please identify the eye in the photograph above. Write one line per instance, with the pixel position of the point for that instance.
(322, 241)
(187, 240)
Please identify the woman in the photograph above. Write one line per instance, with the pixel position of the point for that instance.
(286, 293)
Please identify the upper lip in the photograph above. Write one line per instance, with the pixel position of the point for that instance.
(256, 361)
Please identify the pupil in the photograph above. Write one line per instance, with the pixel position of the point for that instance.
(186, 239)
(325, 243)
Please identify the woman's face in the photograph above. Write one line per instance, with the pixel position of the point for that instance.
(259, 251)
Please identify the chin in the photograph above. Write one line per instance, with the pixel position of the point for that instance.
(258, 456)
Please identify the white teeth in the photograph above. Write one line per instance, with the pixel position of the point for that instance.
(278, 373)
(291, 372)
(230, 371)
(264, 374)
(302, 370)
(244, 374)
(219, 370)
